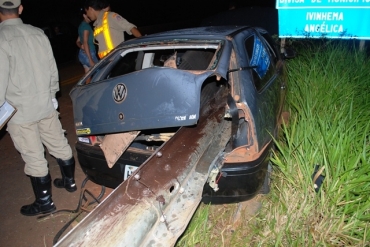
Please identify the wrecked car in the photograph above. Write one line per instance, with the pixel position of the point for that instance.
(148, 89)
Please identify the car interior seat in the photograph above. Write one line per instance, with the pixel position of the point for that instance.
(196, 60)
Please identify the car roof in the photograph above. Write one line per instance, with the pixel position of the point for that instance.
(210, 32)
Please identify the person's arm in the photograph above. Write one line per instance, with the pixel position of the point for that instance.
(120, 23)
(4, 75)
(78, 42)
(86, 47)
(135, 32)
(54, 76)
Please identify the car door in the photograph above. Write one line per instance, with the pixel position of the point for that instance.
(261, 83)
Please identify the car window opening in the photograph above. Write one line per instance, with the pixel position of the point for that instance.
(184, 59)
(263, 68)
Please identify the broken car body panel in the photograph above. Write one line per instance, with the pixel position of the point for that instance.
(172, 96)
(153, 206)
(230, 77)
(160, 79)
(164, 106)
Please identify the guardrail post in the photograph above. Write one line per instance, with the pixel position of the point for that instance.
(362, 45)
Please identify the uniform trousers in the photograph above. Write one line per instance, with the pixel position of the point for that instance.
(29, 139)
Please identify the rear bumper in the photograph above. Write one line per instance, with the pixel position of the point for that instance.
(94, 165)
(238, 182)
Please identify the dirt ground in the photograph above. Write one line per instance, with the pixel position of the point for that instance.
(15, 186)
(16, 191)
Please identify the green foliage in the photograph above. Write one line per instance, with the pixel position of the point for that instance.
(197, 232)
(329, 104)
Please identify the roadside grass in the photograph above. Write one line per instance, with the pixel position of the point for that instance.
(327, 137)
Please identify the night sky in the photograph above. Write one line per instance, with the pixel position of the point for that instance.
(139, 12)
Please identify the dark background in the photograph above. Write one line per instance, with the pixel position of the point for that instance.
(139, 12)
(149, 16)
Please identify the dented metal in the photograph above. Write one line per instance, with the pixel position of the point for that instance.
(216, 151)
(154, 205)
(114, 145)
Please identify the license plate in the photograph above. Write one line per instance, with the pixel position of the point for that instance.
(84, 139)
(128, 171)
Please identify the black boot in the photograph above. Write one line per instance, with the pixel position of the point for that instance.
(67, 168)
(43, 203)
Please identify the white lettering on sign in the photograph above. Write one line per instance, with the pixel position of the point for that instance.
(344, 1)
(324, 16)
(291, 1)
(324, 28)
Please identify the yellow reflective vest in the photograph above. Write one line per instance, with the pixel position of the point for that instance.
(107, 37)
(109, 31)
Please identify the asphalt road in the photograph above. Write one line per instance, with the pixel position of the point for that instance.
(15, 187)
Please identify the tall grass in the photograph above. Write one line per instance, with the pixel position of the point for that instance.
(329, 103)
(330, 127)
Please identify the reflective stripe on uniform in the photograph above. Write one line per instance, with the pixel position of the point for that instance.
(103, 54)
(107, 37)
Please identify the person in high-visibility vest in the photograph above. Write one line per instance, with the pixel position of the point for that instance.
(109, 27)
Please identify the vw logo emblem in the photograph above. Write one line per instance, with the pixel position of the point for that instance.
(119, 93)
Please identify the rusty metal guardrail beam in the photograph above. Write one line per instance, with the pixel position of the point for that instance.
(154, 206)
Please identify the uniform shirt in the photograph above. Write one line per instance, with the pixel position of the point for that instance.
(117, 26)
(28, 72)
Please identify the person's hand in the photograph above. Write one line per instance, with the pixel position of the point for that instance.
(86, 18)
(55, 103)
